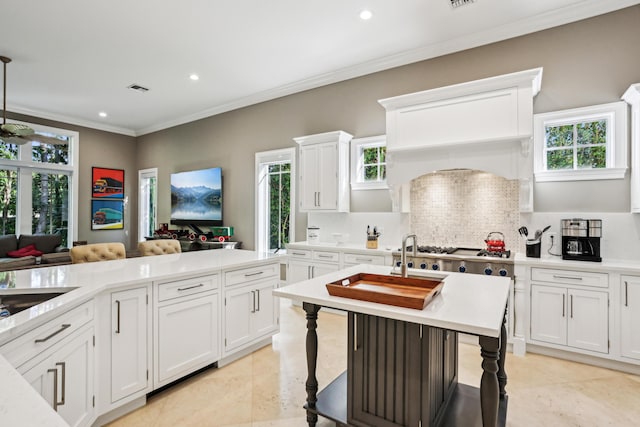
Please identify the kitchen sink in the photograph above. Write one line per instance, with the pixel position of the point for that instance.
(19, 302)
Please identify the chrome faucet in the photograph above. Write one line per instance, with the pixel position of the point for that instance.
(403, 258)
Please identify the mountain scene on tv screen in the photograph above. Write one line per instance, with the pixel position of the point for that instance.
(197, 203)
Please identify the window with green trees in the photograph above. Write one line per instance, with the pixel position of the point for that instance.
(369, 163)
(35, 186)
(580, 145)
(279, 204)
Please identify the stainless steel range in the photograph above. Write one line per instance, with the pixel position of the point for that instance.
(461, 260)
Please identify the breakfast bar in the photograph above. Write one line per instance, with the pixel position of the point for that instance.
(402, 362)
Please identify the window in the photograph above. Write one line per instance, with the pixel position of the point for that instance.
(275, 192)
(147, 203)
(581, 144)
(368, 163)
(37, 184)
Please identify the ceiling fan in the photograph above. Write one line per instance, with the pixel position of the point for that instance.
(15, 133)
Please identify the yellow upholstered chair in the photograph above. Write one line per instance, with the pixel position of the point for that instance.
(97, 252)
(159, 247)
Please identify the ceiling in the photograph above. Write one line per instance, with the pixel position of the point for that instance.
(75, 58)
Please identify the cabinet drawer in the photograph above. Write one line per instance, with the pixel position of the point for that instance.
(363, 259)
(570, 277)
(299, 253)
(326, 256)
(254, 273)
(180, 288)
(38, 340)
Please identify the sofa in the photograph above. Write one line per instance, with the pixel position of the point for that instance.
(32, 250)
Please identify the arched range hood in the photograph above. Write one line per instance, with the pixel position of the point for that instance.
(484, 125)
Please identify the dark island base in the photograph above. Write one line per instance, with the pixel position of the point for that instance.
(463, 409)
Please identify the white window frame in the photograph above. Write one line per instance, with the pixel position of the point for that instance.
(263, 160)
(616, 115)
(24, 209)
(143, 176)
(357, 166)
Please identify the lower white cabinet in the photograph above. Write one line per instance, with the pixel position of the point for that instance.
(64, 377)
(186, 328)
(572, 317)
(130, 333)
(250, 313)
(630, 316)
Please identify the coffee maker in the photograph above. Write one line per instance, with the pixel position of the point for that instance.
(581, 239)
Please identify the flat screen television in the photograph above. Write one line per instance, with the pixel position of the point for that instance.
(196, 197)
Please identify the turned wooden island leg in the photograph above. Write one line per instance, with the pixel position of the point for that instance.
(312, 358)
(489, 389)
(502, 374)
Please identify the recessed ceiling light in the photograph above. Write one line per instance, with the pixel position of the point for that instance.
(365, 15)
(102, 114)
(194, 77)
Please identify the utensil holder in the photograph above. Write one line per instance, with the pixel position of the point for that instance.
(533, 248)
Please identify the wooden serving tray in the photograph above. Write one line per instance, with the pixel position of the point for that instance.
(392, 290)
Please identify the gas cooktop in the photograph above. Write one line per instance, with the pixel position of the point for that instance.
(452, 250)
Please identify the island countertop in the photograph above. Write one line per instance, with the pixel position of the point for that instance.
(468, 303)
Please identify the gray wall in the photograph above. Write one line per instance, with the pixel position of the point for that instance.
(103, 149)
(585, 63)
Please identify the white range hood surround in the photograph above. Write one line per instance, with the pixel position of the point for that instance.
(485, 125)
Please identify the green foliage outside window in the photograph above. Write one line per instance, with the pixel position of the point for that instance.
(576, 146)
(374, 164)
(279, 204)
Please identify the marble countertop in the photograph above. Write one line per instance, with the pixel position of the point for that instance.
(81, 282)
(607, 264)
(359, 248)
(468, 303)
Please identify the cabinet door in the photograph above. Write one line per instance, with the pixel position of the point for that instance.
(298, 271)
(588, 326)
(65, 379)
(129, 353)
(265, 316)
(187, 337)
(630, 316)
(319, 269)
(309, 178)
(328, 176)
(548, 314)
(238, 308)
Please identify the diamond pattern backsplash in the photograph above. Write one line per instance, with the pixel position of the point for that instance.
(461, 207)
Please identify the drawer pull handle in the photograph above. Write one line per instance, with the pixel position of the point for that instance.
(55, 388)
(325, 256)
(364, 260)
(258, 292)
(118, 317)
(563, 302)
(253, 297)
(254, 274)
(571, 298)
(64, 381)
(567, 277)
(626, 293)
(62, 328)
(299, 253)
(191, 287)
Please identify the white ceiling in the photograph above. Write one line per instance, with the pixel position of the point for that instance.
(75, 58)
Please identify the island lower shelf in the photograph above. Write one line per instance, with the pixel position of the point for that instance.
(463, 409)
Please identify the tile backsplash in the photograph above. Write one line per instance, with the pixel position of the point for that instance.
(461, 207)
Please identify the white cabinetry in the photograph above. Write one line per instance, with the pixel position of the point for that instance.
(186, 325)
(324, 172)
(563, 312)
(57, 359)
(632, 97)
(130, 343)
(630, 316)
(307, 264)
(251, 310)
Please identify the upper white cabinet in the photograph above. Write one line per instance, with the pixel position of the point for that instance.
(324, 172)
(632, 97)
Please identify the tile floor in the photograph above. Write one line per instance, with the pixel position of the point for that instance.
(266, 388)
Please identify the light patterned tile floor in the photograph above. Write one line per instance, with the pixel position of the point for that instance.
(266, 388)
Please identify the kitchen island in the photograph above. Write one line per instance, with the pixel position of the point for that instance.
(470, 304)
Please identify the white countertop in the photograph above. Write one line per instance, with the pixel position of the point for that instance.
(607, 265)
(468, 303)
(360, 248)
(84, 281)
